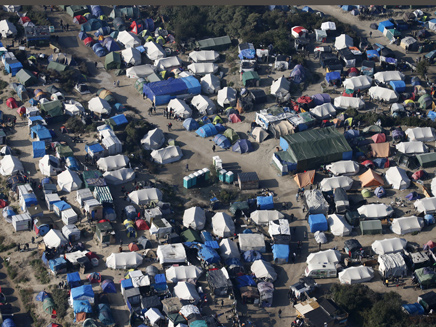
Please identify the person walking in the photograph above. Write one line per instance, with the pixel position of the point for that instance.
(187, 167)
(118, 83)
(67, 27)
(222, 303)
(150, 111)
(61, 23)
(115, 84)
(169, 127)
(370, 34)
(319, 246)
(387, 283)
(280, 313)
(213, 148)
(33, 240)
(153, 107)
(297, 197)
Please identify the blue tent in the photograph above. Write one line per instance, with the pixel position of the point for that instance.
(160, 282)
(429, 219)
(233, 262)
(265, 202)
(119, 107)
(8, 322)
(38, 149)
(93, 24)
(81, 292)
(42, 296)
(62, 205)
(73, 279)
(307, 9)
(105, 30)
(348, 7)
(96, 10)
(414, 309)
(280, 253)
(321, 98)
(161, 92)
(351, 134)
(110, 44)
(41, 132)
(82, 35)
(105, 315)
(251, 256)
(298, 74)
(432, 115)
(318, 222)
(380, 192)
(149, 24)
(13, 67)
(212, 244)
(242, 146)
(372, 54)
(72, 164)
(33, 102)
(332, 77)
(190, 124)
(207, 130)
(209, 255)
(119, 119)
(206, 120)
(126, 284)
(245, 280)
(412, 196)
(247, 54)
(108, 286)
(57, 264)
(398, 86)
(99, 50)
(379, 162)
(415, 80)
(220, 128)
(385, 24)
(222, 141)
(82, 306)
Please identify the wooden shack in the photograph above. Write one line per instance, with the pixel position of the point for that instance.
(248, 181)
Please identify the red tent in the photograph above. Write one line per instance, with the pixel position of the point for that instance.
(101, 220)
(94, 277)
(419, 175)
(368, 163)
(379, 138)
(91, 255)
(348, 93)
(136, 27)
(24, 20)
(88, 41)
(79, 19)
(11, 103)
(429, 245)
(353, 71)
(234, 118)
(141, 225)
(133, 247)
(21, 110)
(304, 99)
(3, 203)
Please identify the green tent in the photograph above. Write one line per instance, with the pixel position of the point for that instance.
(112, 61)
(426, 277)
(190, 235)
(93, 178)
(370, 227)
(427, 160)
(366, 193)
(425, 101)
(139, 84)
(26, 77)
(64, 151)
(231, 135)
(217, 43)
(75, 10)
(48, 305)
(57, 66)
(217, 120)
(52, 108)
(250, 78)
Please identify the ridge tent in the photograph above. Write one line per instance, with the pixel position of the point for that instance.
(229, 249)
(194, 218)
(124, 260)
(252, 242)
(69, 181)
(203, 104)
(10, 165)
(168, 64)
(405, 225)
(54, 239)
(204, 56)
(180, 108)
(176, 274)
(344, 102)
(375, 211)
(355, 275)
(154, 51)
(338, 225)
(343, 41)
(210, 84)
(226, 97)
(145, 196)
(413, 147)
(186, 292)
(131, 56)
(358, 83)
(370, 178)
(398, 178)
(7, 28)
(327, 256)
(167, 155)
(153, 140)
(426, 205)
(26, 78)
(423, 134)
(380, 150)
(129, 40)
(392, 265)
(383, 94)
(223, 225)
(279, 229)
(387, 246)
(386, 77)
(343, 167)
(99, 106)
(263, 270)
(171, 253)
(305, 179)
(204, 68)
(112, 162)
(378, 138)
(263, 217)
(427, 159)
(49, 165)
(329, 184)
(324, 111)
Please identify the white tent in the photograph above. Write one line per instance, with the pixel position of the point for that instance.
(329, 184)
(195, 218)
(167, 155)
(11, 8)
(99, 106)
(362, 82)
(171, 253)
(251, 241)
(405, 225)
(343, 102)
(263, 270)
(386, 77)
(223, 225)
(344, 167)
(154, 51)
(226, 97)
(129, 40)
(153, 140)
(180, 108)
(279, 227)
(204, 56)
(112, 162)
(69, 181)
(259, 134)
(397, 177)
(74, 109)
(7, 28)
(392, 265)
(397, 107)
(412, 147)
(124, 260)
(145, 196)
(263, 217)
(423, 134)
(210, 84)
(120, 176)
(282, 86)
(426, 205)
(386, 246)
(343, 41)
(338, 225)
(375, 210)
(407, 42)
(203, 68)
(131, 56)
(153, 315)
(298, 31)
(383, 93)
(324, 111)
(203, 104)
(54, 239)
(176, 274)
(328, 26)
(229, 249)
(113, 145)
(330, 256)
(168, 63)
(432, 25)
(141, 71)
(187, 311)
(355, 275)
(187, 292)
(10, 165)
(49, 165)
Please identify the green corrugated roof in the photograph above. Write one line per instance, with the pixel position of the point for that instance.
(103, 194)
(214, 42)
(427, 159)
(57, 66)
(190, 235)
(246, 76)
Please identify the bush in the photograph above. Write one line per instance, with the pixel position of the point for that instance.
(39, 271)
(60, 300)
(75, 125)
(3, 85)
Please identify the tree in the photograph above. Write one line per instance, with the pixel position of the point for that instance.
(386, 312)
(422, 68)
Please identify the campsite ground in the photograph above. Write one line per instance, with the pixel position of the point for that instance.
(198, 154)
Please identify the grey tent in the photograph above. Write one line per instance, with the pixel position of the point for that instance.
(112, 61)
(26, 77)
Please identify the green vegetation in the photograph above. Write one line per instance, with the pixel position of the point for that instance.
(6, 247)
(26, 295)
(75, 125)
(226, 197)
(40, 272)
(60, 300)
(3, 85)
(422, 67)
(11, 270)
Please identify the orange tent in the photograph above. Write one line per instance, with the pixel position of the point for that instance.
(379, 138)
(370, 178)
(304, 179)
(380, 150)
(133, 247)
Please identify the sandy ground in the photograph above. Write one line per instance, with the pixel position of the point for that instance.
(198, 154)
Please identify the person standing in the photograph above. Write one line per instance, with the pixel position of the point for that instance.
(370, 34)
(187, 167)
(213, 148)
(67, 27)
(280, 313)
(61, 23)
(319, 246)
(33, 240)
(169, 127)
(297, 197)
(118, 83)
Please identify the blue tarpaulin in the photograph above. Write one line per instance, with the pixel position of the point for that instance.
(318, 222)
(126, 284)
(162, 92)
(333, 76)
(30, 199)
(71, 163)
(247, 54)
(380, 192)
(94, 148)
(372, 54)
(385, 24)
(73, 279)
(209, 255)
(38, 149)
(8, 322)
(82, 291)
(265, 202)
(281, 252)
(398, 86)
(432, 115)
(13, 67)
(251, 256)
(307, 9)
(42, 296)
(414, 309)
(82, 306)
(41, 132)
(119, 119)
(62, 205)
(57, 264)
(245, 280)
(212, 244)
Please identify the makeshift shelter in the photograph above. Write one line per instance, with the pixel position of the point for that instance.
(226, 97)
(99, 106)
(405, 225)
(317, 222)
(263, 217)
(423, 134)
(375, 211)
(343, 41)
(398, 178)
(355, 275)
(186, 292)
(10, 165)
(252, 242)
(263, 270)
(362, 82)
(54, 239)
(392, 265)
(324, 111)
(383, 94)
(112, 61)
(343, 102)
(387, 246)
(370, 178)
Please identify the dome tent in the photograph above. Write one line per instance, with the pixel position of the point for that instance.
(242, 146)
(222, 141)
